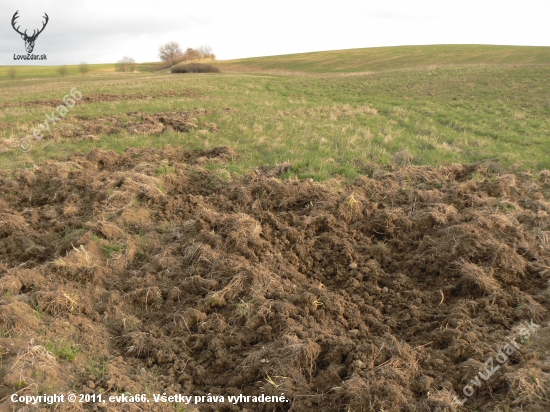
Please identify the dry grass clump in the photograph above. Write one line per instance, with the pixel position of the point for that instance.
(528, 386)
(199, 258)
(81, 262)
(195, 251)
(32, 355)
(201, 263)
(302, 353)
(287, 364)
(130, 323)
(31, 361)
(442, 213)
(146, 297)
(11, 284)
(142, 185)
(265, 282)
(242, 224)
(385, 386)
(136, 344)
(231, 290)
(166, 259)
(334, 112)
(362, 395)
(58, 301)
(199, 284)
(442, 401)
(351, 207)
(403, 158)
(17, 319)
(478, 277)
(109, 230)
(533, 308)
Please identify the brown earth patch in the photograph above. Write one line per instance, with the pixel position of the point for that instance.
(388, 293)
(107, 97)
(85, 128)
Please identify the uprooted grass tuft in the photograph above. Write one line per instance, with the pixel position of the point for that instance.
(136, 344)
(31, 355)
(233, 288)
(528, 385)
(351, 207)
(58, 301)
(478, 277)
(387, 384)
(146, 297)
(31, 361)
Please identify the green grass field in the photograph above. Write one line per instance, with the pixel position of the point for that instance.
(392, 58)
(32, 72)
(453, 104)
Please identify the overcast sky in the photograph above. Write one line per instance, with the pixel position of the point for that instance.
(101, 31)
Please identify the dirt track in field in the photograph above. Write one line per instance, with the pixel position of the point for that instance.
(146, 273)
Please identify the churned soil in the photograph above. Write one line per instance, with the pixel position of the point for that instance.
(107, 97)
(132, 123)
(148, 273)
(128, 124)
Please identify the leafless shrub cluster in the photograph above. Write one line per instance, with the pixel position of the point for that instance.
(171, 54)
(84, 67)
(12, 73)
(126, 64)
(62, 70)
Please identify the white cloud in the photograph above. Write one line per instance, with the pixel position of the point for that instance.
(104, 31)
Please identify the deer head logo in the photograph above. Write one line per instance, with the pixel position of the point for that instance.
(29, 40)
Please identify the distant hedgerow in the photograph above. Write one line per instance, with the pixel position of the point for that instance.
(194, 68)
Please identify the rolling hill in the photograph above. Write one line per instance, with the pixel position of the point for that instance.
(392, 58)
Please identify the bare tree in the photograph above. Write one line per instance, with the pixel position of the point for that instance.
(205, 52)
(120, 65)
(84, 67)
(126, 64)
(130, 63)
(62, 70)
(192, 54)
(170, 52)
(12, 73)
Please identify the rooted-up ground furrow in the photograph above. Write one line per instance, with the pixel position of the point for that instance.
(106, 97)
(146, 272)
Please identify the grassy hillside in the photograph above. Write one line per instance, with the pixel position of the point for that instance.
(323, 126)
(392, 58)
(342, 61)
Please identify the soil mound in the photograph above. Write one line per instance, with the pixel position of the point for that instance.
(146, 273)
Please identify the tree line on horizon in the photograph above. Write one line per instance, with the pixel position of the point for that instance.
(62, 70)
(170, 54)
